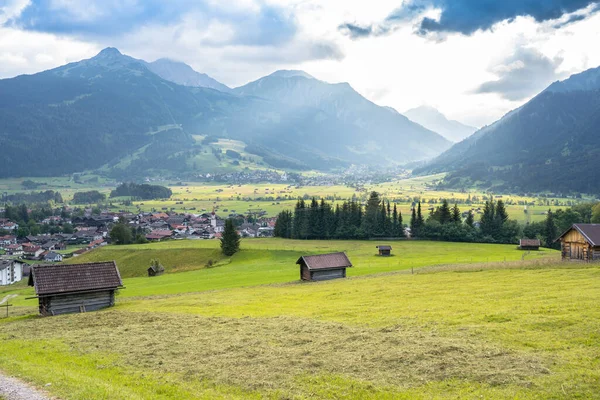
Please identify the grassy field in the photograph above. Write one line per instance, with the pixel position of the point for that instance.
(523, 330)
(273, 198)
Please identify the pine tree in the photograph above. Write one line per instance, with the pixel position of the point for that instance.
(395, 224)
(488, 219)
(420, 219)
(550, 231)
(456, 216)
(445, 215)
(371, 223)
(230, 241)
(470, 221)
(413, 223)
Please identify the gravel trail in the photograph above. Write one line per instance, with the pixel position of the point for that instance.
(14, 389)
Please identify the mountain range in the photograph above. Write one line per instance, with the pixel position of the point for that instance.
(434, 120)
(552, 143)
(90, 114)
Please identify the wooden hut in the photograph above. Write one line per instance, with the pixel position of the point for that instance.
(385, 250)
(323, 266)
(529, 244)
(581, 242)
(74, 288)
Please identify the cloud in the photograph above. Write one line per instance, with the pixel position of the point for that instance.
(523, 74)
(263, 25)
(469, 16)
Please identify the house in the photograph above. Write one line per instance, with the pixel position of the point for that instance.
(32, 252)
(9, 226)
(384, 250)
(529, 244)
(74, 288)
(53, 257)
(11, 271)
(14, 250)
(581, 242)
(7, 240)
(323, 266)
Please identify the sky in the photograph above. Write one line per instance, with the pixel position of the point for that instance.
(474, 60)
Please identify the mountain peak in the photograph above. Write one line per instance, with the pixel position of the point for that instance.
(290, 73)
(109, 52)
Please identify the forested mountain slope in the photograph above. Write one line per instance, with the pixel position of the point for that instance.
(551, 143)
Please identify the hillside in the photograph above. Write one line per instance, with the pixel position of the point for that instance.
(496, 330)
(376, 133)
(112, 111)
(552, 143)
(434, 120)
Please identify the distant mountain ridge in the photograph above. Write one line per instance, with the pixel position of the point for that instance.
(92, 113)
(552, 143)
(385, 132)
(182, 74)
(434, 120)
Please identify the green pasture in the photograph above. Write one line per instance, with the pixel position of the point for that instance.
(523, 330)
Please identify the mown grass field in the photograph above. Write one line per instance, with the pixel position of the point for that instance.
(502, 330)
(466, 324)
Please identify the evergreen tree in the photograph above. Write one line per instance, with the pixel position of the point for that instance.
(444, 214)
(372, 218)
(413, 223)
(230, 241)
(470, 221)
(283, 225)
(501, 215)
(550, 230)
(395, 224)
(488, 219)
(456, 216)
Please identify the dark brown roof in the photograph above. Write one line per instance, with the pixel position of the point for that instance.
(529, 242)
(69, 278)
(325, 261)
(591, 232)
(384, 247)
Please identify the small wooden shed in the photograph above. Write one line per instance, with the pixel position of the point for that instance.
(385, 250)
(529, 244)
(323, 266)
(75, 288)
(581, 242)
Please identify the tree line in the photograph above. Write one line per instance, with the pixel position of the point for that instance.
(142, 192)
(378, 218)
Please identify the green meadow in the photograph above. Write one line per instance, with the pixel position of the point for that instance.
(436, 320)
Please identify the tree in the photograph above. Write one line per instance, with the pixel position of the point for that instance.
(445, 215)
(120, 234)
(488, 219)
(550, 231)
(230, 242)
(456, 216)
(470, 221)
(372, 218)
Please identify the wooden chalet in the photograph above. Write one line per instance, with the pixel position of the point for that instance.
(74, 288)
(529, 244)
(581, 242)
(385, 250)
(323, 267)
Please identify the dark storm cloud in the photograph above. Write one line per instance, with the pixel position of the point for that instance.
(522, 75)
(469, 16)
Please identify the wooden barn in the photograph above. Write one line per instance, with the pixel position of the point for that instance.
(323, 267)
(75, 288)
(529, 244)
(581, 243)
(385, 250)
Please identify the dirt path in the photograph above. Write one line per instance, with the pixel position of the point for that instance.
(14, 389)
(7, 298)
